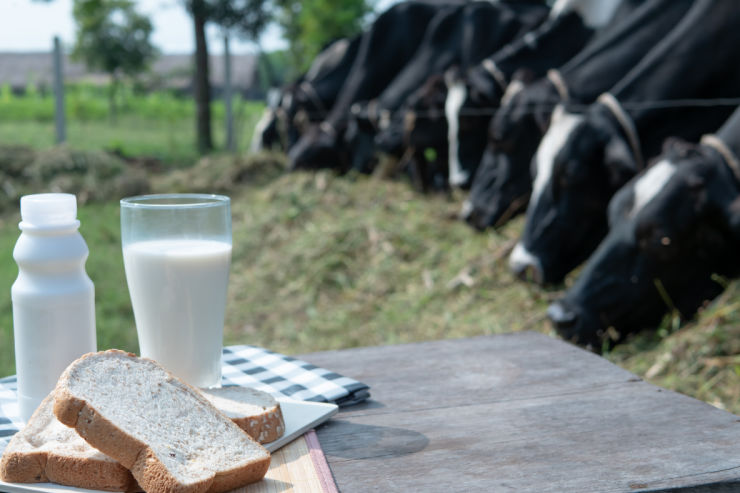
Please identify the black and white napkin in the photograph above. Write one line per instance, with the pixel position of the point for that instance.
(247, 366)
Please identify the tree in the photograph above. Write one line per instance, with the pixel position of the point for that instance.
(309, 25)
(114, 38)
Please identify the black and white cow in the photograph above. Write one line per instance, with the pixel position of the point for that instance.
(460, 37)
(502, 185)
(585, 158)
(571, 24)
(418, 129)
(673, 229)
(308, 99)
(385, 48)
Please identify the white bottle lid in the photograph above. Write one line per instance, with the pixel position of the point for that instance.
(49, 209)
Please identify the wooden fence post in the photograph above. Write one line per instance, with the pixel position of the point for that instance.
(230, 142)
(61, 130)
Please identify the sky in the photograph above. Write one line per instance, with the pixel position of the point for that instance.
(26, 25)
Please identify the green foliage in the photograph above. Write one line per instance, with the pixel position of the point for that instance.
(112, 36)
(248, 18)
(309, 25)
(274, 69)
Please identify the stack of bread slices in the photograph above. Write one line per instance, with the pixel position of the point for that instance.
(117, 422)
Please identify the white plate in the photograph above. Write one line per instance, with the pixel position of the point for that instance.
(299, 416)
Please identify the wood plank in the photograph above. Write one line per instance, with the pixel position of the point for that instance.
(521, 412)
(520, 365)
(292, 470)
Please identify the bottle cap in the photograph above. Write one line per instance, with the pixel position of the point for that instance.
(49, 209)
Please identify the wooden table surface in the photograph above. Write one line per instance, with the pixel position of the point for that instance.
(520, 412)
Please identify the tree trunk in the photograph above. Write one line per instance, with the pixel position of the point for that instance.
(202, 81)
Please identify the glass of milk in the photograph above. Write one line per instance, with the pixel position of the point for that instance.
(177, 252)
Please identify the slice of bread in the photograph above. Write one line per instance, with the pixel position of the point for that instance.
(48, 451)
(254, 411)
(164, 431)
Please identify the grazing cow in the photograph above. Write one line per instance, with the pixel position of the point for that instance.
(421, 143)
(469, 101)
(458, 37)
(266, 134)
(410, 128)
(585, 158)
(325, 146)
(673, 229)
(308, 99)
(384, 50)
(502, 185)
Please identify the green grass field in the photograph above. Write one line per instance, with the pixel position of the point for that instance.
(323, 262)
(159, 125)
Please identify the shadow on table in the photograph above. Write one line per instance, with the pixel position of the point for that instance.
(348, 440)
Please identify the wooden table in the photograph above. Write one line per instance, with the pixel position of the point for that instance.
(520, 412)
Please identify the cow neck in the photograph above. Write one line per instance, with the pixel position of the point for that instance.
(730, 158)
(626, 123)
(556, 79)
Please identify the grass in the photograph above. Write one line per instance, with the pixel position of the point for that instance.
(157, 125)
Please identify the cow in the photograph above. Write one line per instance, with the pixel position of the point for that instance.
(586, 157)
(325, 147)
(417, 127)
(570, 26)
(673, 230)
(308, 99)
(458, 37)
(420, 143)
(502, 185)
(267, 134)
(384, 50)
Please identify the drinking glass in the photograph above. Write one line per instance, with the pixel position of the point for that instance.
(177, 252)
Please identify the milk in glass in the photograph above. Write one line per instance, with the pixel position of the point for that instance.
(178, 291)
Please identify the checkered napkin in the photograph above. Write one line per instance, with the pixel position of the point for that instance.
(250, 366)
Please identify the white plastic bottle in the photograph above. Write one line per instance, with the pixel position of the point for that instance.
(53, 298)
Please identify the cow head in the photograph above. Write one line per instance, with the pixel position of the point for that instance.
(673, 228)
(360, 134)
(502, 183)
(269, 132)
(320, 147)
(423, 124)
(582, 160)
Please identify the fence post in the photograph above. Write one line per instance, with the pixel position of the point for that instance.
(230, 142)
(59, 92)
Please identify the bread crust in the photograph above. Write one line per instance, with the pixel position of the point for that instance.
(38, 466)
(151, 474)
(265, 428)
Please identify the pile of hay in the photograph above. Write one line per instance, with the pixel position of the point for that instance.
(91, 175)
